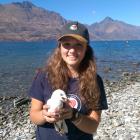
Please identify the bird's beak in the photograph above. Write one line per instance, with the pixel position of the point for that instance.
(64, 99)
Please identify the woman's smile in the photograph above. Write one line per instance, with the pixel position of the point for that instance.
(72, 57)
(72, 51)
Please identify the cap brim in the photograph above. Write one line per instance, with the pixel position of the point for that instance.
(78, 37)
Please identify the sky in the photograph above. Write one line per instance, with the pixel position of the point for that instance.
(91, 11)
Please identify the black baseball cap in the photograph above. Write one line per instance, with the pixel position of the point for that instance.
(76, 30)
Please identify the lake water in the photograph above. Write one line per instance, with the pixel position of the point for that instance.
(18, 61)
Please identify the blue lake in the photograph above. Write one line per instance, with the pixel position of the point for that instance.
(19, 60)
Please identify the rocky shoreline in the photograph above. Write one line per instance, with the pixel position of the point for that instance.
(120, 122)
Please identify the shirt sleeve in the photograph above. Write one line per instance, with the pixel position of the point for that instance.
(102, 101)
(37, 88)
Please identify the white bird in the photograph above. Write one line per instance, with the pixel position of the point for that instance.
(55, 103)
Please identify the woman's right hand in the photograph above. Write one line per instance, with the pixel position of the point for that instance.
(50, 117)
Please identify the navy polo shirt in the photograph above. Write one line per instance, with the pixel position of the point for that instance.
(41, 90)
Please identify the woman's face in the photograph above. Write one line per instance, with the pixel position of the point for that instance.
(72, 51)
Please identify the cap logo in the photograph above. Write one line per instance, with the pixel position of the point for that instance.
(73, 27)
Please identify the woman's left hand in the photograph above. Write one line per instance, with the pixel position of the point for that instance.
(66, 112)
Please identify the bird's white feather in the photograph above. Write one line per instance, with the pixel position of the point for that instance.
(55, 103)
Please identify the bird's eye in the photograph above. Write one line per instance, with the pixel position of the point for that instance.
(61, 94)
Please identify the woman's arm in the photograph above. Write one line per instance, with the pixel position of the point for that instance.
(39, 114)
(36, 112)
(88, 124)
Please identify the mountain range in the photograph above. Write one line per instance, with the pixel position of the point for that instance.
(27, 22)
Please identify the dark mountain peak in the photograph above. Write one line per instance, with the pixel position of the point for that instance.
(107, 19)
(109, 29)
(26, 21)
(24, 4)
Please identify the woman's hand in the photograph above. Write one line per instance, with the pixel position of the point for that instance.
(66, 112)
(50, 117)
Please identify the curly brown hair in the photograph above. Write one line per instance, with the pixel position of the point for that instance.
(58, 76)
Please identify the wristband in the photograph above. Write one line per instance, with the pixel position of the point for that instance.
(75, 115)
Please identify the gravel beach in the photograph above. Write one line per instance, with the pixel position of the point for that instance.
(120, 122)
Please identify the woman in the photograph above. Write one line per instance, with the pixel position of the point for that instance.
(72, 69)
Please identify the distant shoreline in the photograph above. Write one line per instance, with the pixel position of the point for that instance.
(54, 39)
(127, 79)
